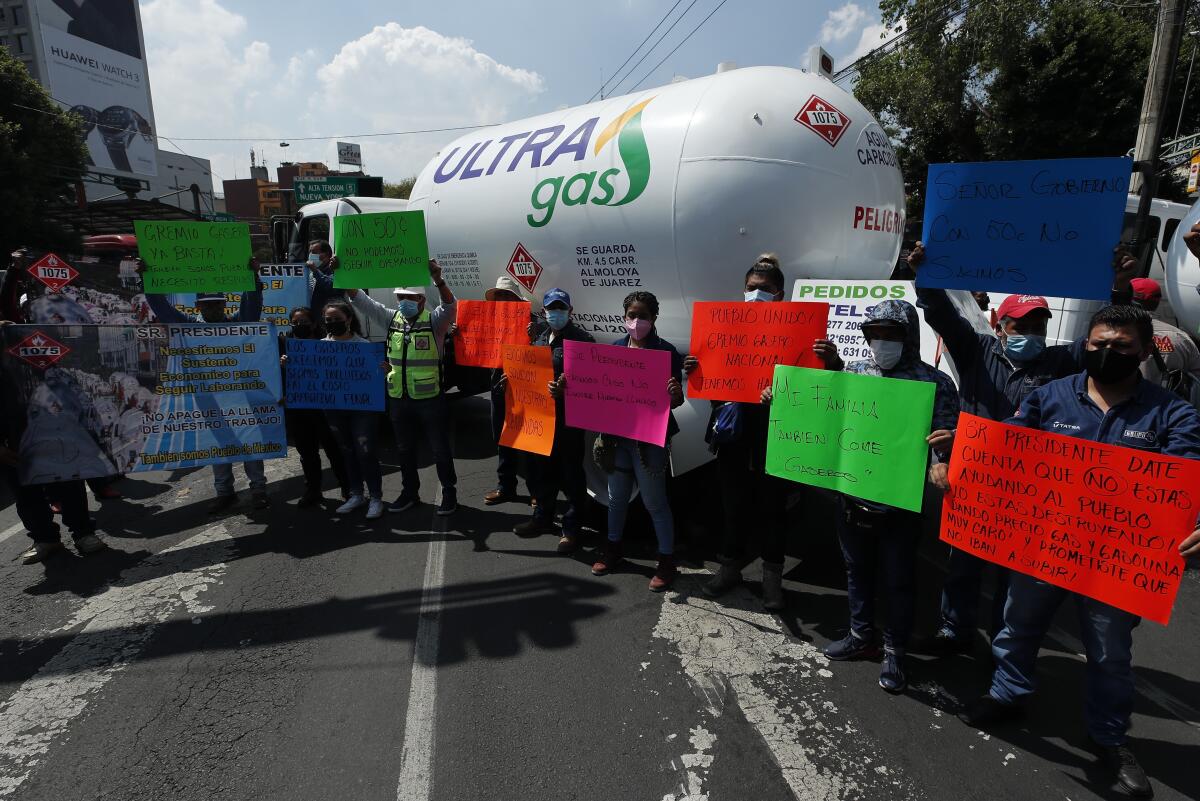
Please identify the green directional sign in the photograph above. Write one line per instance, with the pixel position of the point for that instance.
(313, 190)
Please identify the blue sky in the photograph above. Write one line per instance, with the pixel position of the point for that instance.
(269, 68)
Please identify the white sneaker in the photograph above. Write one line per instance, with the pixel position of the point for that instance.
(375, 509)
(355, 502)
(40, 552)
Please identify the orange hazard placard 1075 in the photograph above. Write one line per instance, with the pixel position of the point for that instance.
(484, 326)
(528, 408)
(1100, 520)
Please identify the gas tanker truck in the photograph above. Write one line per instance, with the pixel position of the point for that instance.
(1182, 283)
(674, 190)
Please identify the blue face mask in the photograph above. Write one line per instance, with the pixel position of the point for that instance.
(408, 308)
(557, 318)
(1022, 348)
(314, 260)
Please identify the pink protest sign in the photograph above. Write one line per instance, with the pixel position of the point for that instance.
(619, 391)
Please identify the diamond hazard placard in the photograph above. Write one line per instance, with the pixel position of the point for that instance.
(524, 267)
(823, 118)
(53, 272)
(39, 350)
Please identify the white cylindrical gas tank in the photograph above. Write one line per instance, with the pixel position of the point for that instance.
(1183, 277)
(674, 190)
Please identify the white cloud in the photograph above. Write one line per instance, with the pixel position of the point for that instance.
(211, 78)
(872, 36)
(841, 22)
(850, 23)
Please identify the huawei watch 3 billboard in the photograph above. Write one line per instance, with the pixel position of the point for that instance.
(96, 66)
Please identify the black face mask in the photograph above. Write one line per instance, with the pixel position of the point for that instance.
(302, 330)
(336, 327)
(1108, 366)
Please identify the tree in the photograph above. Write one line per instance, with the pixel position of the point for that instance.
(1021, 79)
(41, 155)
(400, 191)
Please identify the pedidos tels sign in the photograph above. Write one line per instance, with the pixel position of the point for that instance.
(615, 186)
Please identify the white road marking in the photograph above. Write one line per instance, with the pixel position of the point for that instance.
(120, 623)
(8, 532)
(416, 755)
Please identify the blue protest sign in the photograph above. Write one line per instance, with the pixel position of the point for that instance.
(1025, 227)
(324, 374)
(285, 286)
(106, 400)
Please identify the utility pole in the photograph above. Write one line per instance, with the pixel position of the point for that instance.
(1165, 51)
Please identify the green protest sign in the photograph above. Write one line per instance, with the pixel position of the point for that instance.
(858, 434)
(380, 250)
(184, 257)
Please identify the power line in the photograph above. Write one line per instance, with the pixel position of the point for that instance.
(668, 55)
(657, 42)
(895, 42)
(617, 71)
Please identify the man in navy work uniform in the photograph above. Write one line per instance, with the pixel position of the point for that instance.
(1111, 403)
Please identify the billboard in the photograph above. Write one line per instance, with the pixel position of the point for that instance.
(349, 153)
(95, 65)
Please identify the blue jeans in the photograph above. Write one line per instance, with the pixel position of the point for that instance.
(431, 418)
(256, 474)
(1107, 635)
(960, 594)
(355, 433)
(647, 464)
(506, 458)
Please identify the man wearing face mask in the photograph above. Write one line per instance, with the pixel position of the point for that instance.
(1109, 402)
(321, 266)
(563, 468)
(211, 308)
(416, 341)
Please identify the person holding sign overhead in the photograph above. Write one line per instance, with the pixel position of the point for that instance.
(754, 502)
(1109, 402)
(870, 532)
(563, 468)
(211, 308)
(415, 343)
(642, 462)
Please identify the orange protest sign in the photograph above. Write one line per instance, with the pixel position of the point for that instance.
(739, 344)
(483, 326)
(1101, 520)
(528, 407)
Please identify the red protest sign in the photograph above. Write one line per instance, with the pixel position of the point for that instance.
(484, 326)
(1101, 520)
(739, 344)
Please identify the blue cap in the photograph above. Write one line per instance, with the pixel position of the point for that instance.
(556, 295)
(203, 296)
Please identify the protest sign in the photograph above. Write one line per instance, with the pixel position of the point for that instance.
(190, 257)
(618, 391)
(105, 400)
(325, 374)
(1101, 520)
(285, 286)
(386, 249)
(863, 435)
(484, 326)
(1043, 227)
(739, 344)
(528, 408)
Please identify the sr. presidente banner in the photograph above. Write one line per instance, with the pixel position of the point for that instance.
(862, 435)
(105, 400)
(285, 286)
(528, 408)
(190, 257)
(1024, 227)
(1101, 520)
(324, 374)
(739, 344)
(385, 249)
(618, 391)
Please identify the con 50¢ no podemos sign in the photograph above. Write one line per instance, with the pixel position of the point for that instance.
(1101, 520)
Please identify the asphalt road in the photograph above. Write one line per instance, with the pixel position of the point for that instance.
(287, 654)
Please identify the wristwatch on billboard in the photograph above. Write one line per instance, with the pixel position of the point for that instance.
(118, 125)
(89, 117)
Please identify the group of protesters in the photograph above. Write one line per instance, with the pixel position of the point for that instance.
(1108, 382)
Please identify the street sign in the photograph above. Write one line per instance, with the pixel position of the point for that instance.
(1194, 172)
(330, 187)
(524, 267)
(349, 153)
(217, 216)
(53, 272)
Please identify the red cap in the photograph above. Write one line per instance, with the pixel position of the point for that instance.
(1017, 306)
(1145, 289)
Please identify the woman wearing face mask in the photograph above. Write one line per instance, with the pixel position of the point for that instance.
(308, 428)
(563, 468)
(356, 431)
(754, 503)
(642, 462)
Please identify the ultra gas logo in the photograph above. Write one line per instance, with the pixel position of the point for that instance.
(597, 187)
